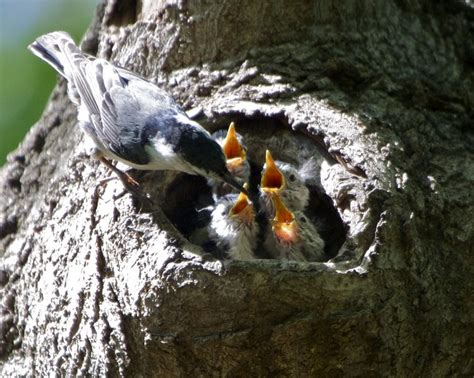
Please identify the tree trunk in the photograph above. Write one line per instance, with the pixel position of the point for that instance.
(380, 93)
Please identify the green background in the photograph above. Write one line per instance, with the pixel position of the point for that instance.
(26, 81)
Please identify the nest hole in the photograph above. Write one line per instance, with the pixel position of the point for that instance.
(186, 196)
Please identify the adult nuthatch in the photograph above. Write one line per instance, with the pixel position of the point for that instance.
(129, 118)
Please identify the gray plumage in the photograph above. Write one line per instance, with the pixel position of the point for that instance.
(294, 193)
(309, 245)
(234, 231)
(292, 236)
(129, 118)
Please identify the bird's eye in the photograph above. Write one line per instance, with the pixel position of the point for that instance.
(292, 178)
(223, 213)
(303, 220)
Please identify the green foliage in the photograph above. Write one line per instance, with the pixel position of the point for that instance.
(26, 81)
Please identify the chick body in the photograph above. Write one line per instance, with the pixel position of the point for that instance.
(233, 226)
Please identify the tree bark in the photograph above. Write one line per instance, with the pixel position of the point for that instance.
(381, 93)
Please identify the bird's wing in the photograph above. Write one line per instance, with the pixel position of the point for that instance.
(95, 81)
(132, 110)
(114, 113)
(90, 82)
(119, 104)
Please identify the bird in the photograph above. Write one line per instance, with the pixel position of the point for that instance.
(236, 159)
(235, 152)
(292, 236)
(233, 226)
(129, 118)
(287, 181)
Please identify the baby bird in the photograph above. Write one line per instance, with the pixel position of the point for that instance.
(233, 226)
(236, 159)
(286, 181)
(236, 154)
(292, 235)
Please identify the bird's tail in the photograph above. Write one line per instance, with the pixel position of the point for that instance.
(59, 50)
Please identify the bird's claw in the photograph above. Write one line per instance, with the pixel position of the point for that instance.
(134, 189)
(130, 184)
(102, 183)
(130, 180)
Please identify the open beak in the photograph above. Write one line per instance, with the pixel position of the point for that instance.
(272, 179)
(284, 225)
(234, 152)
(231, 146)
(243, 209)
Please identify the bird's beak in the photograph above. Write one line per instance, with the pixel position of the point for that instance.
(231, 146)
(243, 208)
(272, 179)
(284, 225)
(229, 179)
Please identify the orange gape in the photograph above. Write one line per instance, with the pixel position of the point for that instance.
(232, 148)
(241, 203)
(243, 208)
(284, 224)
(234, 152)
(272, 178)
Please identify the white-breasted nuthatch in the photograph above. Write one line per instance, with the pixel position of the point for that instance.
(292, 235)
(129, 118)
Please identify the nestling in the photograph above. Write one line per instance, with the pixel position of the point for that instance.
(292, 235)
(236, 159)
(285, 180)
(233, 226)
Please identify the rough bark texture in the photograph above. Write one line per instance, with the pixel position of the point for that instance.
(92, 285)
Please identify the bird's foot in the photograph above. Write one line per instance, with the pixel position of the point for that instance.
(131, 180)
(130, 184)
(102, 183)
(145, 202)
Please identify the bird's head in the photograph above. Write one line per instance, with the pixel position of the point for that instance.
(296, 193)
(199, 150)
(234, 151)
(243, 209)
(273, 180)
(284, 225)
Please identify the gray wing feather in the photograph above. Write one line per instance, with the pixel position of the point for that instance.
(115, 100)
